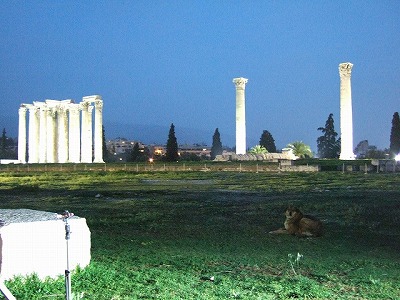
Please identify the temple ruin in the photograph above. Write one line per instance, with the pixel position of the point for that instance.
(61, 131)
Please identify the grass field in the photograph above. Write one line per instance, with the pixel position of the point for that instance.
(204, 235)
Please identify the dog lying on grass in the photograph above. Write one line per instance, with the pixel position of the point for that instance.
(300, 225)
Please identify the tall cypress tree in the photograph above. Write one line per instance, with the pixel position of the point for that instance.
(216, 148)
(267, 141)
(135, 154)
(328, 145)
(172, 145)
(395, 136)
(106, 157)
(3, 144)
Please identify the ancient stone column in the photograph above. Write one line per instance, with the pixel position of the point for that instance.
(86, 145)
(33, 139)
(43, 133)
(62, 155)
(346, 112)
(74, 138)
(240, 84)
(22, 134)
(51, 135)
(98, 130)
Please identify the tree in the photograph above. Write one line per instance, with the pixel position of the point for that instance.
(3, 146)
(106, 156)
(395, 136)
(258, 149)
(216, 148)
(267, 141)
(328, 145)
(6, 146)
(300, 149)
(374, 152)
(139, 153)
(135, 154)
(172, 145)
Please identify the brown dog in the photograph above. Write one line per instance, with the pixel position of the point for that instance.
(300, 225)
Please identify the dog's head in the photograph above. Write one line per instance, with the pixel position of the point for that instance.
(293, 213)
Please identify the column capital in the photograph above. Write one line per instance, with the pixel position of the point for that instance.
(345, 70)
(84, 104)
(32, 108)
(240, 82)
(52, 111)
(22, 109)
(98, 103)
(62, 109)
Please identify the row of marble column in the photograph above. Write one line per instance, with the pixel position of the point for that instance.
(60, 131)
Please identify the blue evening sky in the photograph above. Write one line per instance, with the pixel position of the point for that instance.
(162, 62)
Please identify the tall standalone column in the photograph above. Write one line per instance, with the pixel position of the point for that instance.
(74, 138)
(346, 112)
(22, 134)
(33, 139)
(240, 84)
(98, 130)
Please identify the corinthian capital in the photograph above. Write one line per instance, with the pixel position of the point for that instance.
(32, 109)
(98, 103)
(84, 105)
(52, 112)
(240, 82)
(345, 70)
(22, 109)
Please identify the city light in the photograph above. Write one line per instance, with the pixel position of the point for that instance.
(397, 157)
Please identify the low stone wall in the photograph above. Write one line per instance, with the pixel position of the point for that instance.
(34, 242)
(313, 168)
(273, 157)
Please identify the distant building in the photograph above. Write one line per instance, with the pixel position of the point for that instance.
(120, 148)
(199, 150)
(121, 145)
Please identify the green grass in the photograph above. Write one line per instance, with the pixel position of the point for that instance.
(204, 235)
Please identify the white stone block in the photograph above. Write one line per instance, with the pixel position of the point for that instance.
(29, 245)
